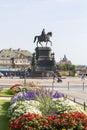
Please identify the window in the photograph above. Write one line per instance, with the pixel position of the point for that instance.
(2, 56)
(8, 56)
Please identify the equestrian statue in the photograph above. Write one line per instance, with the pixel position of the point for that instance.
(43, 38)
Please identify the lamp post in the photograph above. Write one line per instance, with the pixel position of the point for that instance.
(25, 77)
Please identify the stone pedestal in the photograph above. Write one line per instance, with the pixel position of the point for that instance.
(43, 62)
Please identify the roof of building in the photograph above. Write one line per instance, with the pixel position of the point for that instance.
(10, 53)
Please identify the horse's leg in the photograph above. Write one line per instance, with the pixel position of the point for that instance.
(46, 44)
(34, 39)
(40, 44)
(37, 43)
(50, 42)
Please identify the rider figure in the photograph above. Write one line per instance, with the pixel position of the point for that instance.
(43, 34)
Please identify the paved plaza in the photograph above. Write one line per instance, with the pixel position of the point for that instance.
(44, 81)
(73, 87)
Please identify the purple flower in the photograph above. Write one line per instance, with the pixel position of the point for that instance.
(31, 95)
(58, 95)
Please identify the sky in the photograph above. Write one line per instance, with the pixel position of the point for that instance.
(22, 20)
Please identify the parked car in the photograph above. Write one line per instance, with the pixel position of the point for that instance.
(1, 74)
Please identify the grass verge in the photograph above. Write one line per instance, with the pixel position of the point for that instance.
(4, 120)
(5, 93)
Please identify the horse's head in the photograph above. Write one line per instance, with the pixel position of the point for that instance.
(49, 34)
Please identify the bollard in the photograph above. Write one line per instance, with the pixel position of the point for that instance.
(66, 95)
(84, 105)
(83, 85)
(52, 85)
(68, 85)
(74, 100)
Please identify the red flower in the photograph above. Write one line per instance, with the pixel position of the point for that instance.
(15, 86)
(85, 127)
(65, 120)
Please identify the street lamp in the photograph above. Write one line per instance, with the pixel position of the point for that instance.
(25, 77)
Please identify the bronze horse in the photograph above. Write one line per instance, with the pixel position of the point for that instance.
(45, 38)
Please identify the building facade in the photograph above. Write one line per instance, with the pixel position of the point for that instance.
(64, 60)
(15, 59)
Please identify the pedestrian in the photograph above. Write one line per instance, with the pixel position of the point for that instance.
(83, 77)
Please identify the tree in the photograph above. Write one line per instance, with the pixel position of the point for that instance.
(65, 67)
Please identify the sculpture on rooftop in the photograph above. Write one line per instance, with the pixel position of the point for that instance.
(43, 38)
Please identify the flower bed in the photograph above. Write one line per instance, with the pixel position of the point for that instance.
(68, 121)
(41, 109)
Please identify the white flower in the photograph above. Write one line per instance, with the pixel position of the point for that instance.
(25, 107)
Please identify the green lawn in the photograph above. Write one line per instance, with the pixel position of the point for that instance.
(4, 120)
(5, 93)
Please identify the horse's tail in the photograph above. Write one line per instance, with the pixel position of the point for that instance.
(35, 38)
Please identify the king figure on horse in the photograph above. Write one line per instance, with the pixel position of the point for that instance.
(43, 38)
